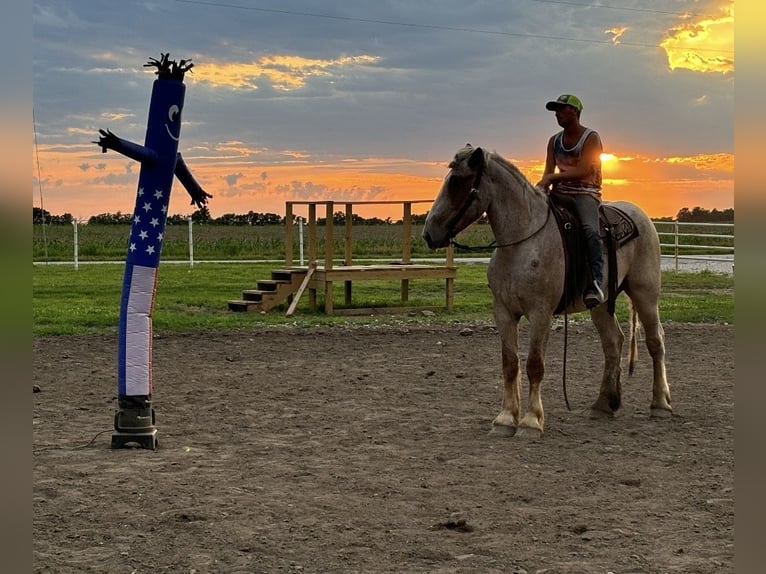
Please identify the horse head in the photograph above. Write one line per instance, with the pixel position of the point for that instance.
(458, 203)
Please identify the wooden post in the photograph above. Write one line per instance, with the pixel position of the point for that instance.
(406, 246)
(312, 251)
(289, 229)
(328, 245)
(347, 254)
(450, 287)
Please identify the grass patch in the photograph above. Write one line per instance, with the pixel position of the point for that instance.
(84, 301)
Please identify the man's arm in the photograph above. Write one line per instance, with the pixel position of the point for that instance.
(550, 167)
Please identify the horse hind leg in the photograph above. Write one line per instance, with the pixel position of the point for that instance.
(648, 312)
(612, 338)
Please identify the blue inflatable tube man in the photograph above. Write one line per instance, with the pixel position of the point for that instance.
(160, 162)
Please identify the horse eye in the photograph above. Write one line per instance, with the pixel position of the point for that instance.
(173, 112)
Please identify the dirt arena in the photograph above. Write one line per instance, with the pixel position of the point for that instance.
(365, 449)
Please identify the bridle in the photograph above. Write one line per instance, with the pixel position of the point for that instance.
(473, 195)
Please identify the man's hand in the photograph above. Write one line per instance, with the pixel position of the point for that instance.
(546, 182)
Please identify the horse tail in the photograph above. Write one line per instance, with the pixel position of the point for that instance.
(633, 355)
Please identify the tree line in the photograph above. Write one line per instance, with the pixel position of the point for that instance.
(41, 216)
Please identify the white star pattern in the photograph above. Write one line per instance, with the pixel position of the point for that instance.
(148, 230)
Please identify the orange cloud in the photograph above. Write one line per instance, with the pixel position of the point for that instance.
(703, 45)
(616, 33)
(283, 72)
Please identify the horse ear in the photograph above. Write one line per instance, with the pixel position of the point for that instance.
(476, 161)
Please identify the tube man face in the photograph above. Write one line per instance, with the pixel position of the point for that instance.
(173, 125)
(164, 126)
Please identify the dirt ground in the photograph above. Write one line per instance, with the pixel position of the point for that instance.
(365, 449)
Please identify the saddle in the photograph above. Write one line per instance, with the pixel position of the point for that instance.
(616, 229)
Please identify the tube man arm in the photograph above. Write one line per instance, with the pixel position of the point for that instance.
(148, 157)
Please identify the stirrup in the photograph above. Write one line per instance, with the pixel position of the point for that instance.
(594, 296)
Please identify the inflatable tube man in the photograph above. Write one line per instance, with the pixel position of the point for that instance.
(160, 161)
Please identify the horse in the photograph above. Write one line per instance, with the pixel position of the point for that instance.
(526, 275)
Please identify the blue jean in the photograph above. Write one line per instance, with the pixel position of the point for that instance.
(587, 206)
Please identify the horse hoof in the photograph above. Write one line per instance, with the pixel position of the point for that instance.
(502, 431)
(659, 413)
(529, 433)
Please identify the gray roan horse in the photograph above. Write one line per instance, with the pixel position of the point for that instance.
(526, 276)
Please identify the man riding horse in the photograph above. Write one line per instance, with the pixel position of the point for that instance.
(576, 152)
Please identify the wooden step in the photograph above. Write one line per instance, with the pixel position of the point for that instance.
(238, 305)
(271, 284)
(255, 295)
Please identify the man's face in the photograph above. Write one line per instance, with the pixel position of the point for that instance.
(565, 115)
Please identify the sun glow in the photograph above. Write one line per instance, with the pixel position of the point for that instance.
(703, 44)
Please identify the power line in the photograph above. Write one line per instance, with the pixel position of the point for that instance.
(40, 185)
(622, 8)
(440, 27)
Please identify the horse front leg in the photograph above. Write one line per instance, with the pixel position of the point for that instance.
(534, 418)
(507, 421)
(612, 338)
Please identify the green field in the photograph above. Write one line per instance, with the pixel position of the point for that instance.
(191, 299)
(240, 242)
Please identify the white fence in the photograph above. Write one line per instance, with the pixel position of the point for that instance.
(688, 241)
(680, 234)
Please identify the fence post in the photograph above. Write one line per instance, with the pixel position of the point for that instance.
(76, 245)
(675, 243)
(191, 242)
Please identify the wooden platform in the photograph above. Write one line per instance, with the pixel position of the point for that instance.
(286, 283)
(290, 283)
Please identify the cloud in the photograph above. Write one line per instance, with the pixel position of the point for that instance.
(282, 72)
(703, 45)
(232, 178)
(616, 33)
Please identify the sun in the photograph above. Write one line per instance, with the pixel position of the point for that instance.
(608, 158)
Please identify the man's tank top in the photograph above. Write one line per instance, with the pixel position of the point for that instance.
(567, 158)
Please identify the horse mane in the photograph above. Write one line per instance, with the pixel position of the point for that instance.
(516, 174)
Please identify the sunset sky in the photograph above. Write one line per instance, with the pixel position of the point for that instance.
(369, 100)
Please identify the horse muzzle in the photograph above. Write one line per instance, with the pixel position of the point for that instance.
(433, 242)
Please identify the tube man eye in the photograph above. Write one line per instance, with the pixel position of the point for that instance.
(173, 113)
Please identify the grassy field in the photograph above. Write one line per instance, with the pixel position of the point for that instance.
(232, 242)
(66, 301)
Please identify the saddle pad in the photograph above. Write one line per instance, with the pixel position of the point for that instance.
(622, 226)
